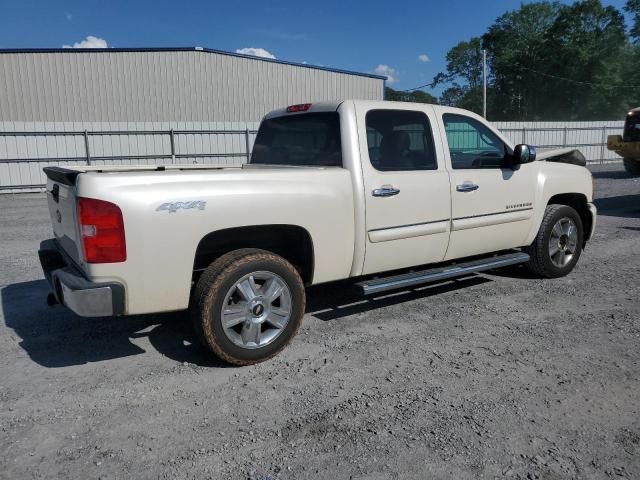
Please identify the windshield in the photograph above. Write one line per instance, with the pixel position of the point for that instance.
(310, 139)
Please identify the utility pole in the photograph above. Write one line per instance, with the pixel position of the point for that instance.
(484, 83)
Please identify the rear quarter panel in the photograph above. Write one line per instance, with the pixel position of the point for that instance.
(161, 244)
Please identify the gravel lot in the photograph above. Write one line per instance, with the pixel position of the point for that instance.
(498, 375)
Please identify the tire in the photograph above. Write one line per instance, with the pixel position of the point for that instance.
(554, 232)
(245, 282)
(632, 166)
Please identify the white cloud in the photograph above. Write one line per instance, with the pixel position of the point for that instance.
(387, 71)
(68, 16)
(256, 52)
(89, 42)
(424, 58)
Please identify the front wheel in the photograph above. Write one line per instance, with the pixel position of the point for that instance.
(558, 244)
(248, 305)
(632, 166)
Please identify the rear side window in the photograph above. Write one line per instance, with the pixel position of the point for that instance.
(309, 139)
(400, 140)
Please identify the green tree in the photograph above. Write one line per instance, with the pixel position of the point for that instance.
(417, 96)
(589, 45)
(549, 61)
(463, 75)
(515, 42)
(632, 66)
(632, 7)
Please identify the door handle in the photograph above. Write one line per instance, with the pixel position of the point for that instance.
(385, 192)
(467, 187)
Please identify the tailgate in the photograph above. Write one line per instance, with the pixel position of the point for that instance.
(61, 200)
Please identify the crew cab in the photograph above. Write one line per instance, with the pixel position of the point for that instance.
(389, 194)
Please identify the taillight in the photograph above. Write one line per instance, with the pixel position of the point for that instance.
(101, 231)
(302, 107)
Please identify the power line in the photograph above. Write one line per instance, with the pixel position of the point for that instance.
(557, 77)
(580, 82)
(430, 85)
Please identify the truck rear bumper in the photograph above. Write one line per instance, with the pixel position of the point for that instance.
(72, 289)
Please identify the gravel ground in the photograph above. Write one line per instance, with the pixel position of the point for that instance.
(498, 375)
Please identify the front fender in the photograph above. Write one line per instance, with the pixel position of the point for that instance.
(560, 179)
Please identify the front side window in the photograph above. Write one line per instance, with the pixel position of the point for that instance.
(472, 144)
(307, 139)
(400, 140)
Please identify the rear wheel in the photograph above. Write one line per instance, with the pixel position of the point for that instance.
(248, 305)
(632, 166)
(558, 244)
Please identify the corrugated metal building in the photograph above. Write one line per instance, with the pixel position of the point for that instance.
(160, 85)
(187, 90)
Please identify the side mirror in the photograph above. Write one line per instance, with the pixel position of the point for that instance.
(523, 154)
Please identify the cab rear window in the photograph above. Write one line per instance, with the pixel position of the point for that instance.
(309, 139)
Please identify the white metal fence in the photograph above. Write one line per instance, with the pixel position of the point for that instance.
(589, 137)
(26, 148)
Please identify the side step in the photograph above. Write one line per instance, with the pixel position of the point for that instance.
(377, 285)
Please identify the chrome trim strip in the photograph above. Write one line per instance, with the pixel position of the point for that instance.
(495, 213)
(411, 231)
(491, 220)
(408, 225)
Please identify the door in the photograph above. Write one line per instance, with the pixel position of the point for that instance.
(407, 193)
(492, 206)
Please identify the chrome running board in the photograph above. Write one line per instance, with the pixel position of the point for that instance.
(382, 284)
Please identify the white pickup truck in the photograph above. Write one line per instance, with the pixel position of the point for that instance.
(333, 191)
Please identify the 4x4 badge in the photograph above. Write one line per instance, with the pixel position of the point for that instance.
(173, 207)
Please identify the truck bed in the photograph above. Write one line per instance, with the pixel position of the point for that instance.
(68, 174)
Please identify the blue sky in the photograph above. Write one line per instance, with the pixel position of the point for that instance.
(360, 36)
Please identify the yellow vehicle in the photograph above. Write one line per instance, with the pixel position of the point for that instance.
(627, 145)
